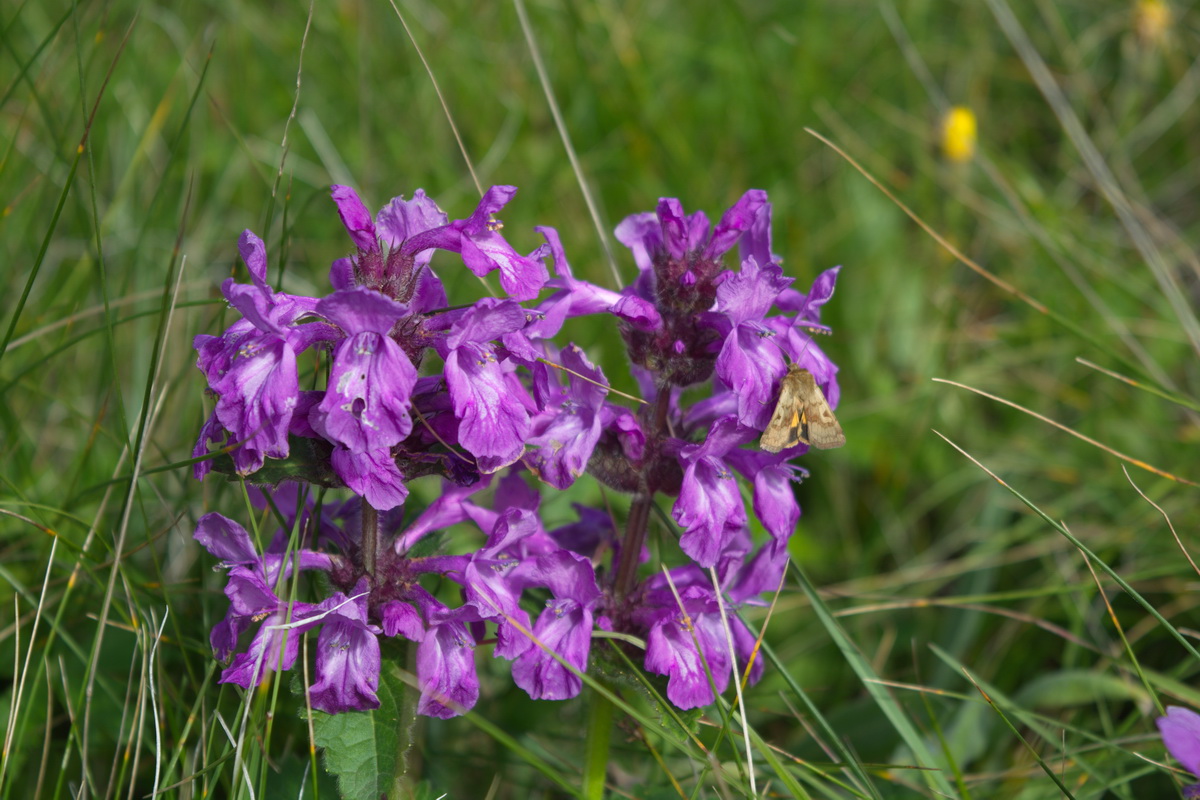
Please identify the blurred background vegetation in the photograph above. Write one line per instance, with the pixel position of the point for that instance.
(1079, 193)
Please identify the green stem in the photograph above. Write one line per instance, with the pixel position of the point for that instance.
(599, 736)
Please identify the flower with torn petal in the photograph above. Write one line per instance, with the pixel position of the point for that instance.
(366, 406)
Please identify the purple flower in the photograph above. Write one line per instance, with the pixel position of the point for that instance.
(1180, 730)
(493, 420)
(564, 628)
(366, 405)
(372, 475)
(710, 503)
(489, 587)
(347, 667)
(252, 366)
(576, 298)
(682, 640)
(565, 432)
(252, 599)
(484, 250)
(749, 363)
(401, 272)
(446, 663)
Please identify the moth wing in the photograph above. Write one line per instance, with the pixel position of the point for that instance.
(785, 428)
(824, 432)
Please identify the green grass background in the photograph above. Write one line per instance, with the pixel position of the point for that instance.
(137, 140)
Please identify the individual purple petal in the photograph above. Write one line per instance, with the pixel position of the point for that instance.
(211, 432)
(272, 648)
(347, 664)
(401, 619)
(446, 666)
(487, 319)
(341, 274)
(674, 226)
(747, 295)
(493, 424)
(372, 475)
(756, 241)
(809, 305)
(761, 574)
(370, 385)
(751, 366)
(775, 501)
(355, 217)
(709, 501)
(735, 221)
(565, 629)
(301, 424)
(639, 313)
(642, 234)
(225, 539)
(258, 394)
(521, 277)
(670, 651)
(1180, 730)
(254, 253)
(225, 634)
(402, 219)
(429, 294)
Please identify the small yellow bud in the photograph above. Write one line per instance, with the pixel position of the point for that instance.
(958, 135)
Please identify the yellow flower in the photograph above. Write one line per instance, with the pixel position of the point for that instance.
(1151, 20)
(958, 134)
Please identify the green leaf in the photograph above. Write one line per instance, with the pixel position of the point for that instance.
(307, 462)
(366, 750)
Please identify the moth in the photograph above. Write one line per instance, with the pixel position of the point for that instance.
(802, 415)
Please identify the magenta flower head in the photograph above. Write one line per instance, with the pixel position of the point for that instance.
(399, 386)
(680, 262)
(1180, 730)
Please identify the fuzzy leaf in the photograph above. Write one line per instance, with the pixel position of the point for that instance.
(362, 749)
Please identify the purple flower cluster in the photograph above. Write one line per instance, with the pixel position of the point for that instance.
(481, 398)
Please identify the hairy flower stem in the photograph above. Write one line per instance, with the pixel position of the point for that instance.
(370, 537)
(639, 510)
